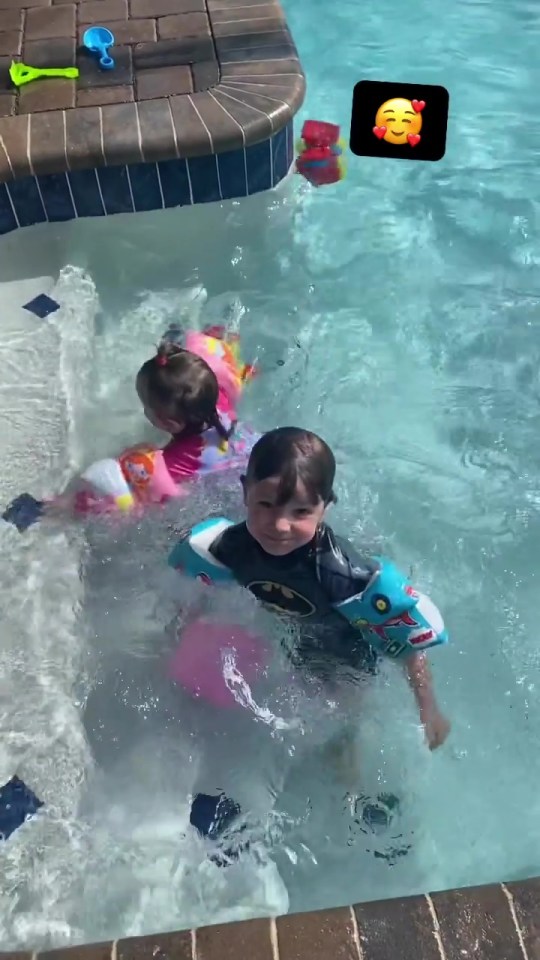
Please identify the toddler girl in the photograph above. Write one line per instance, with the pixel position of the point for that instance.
(189, 390)
(192, 394)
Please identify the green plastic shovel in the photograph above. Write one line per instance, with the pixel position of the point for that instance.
(20, 73)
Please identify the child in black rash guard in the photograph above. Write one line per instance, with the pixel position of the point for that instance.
(292, 561)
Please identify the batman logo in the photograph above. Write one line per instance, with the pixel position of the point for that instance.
(278, 597)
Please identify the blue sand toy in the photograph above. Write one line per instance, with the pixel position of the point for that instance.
(98, 40)
(17, 804)
(23, 511)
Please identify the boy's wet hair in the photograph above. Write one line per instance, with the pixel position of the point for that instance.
(182, 385)
(295, 456)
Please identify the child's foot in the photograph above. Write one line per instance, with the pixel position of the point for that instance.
(378, 814)
(377, 818)
(212, 816)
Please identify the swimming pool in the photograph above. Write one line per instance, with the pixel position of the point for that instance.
(404, 303)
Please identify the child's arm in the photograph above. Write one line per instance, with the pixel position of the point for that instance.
(24, 511)
(79, 498)
(435, 724)
(396, 620)
(197, 552)
(197, 556)
(126, 484)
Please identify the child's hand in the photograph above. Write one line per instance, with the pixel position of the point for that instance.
(436, 727)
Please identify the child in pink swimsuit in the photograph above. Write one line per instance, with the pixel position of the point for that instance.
(190, 390)
(192, 394)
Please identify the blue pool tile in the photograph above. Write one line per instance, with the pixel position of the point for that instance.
(259, 167)
(203, 173)
(56, 197)
(86, 194)
(233, 174)
(42, 306)
(115, 189)
(141, 186)
(145, 186)
(17, 804)
(279, 156)
(173, 175)
(27, 201)
(7, 217)
(24, 510)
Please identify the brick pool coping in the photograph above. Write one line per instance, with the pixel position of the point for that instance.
(193, 78)
(498, 922)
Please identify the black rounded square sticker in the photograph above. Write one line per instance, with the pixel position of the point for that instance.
(403, 121)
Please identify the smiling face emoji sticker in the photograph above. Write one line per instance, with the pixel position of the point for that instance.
(399, 121)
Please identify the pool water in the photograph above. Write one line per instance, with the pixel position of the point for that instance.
(396, 313)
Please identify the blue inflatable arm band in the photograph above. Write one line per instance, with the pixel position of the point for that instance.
(394, 617)
(192, 556)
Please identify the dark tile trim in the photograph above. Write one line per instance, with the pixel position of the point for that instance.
(500, 922)
(151, 185)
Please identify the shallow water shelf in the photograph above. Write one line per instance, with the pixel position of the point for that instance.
(199, 106)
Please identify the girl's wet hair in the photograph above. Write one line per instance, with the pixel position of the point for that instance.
(295, 456)
(183, 387)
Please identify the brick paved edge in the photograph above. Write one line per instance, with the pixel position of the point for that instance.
(500, 922)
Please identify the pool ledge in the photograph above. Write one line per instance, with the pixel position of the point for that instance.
(500, 922)
(193, 79)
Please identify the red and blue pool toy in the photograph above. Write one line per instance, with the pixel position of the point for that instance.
(320, 153)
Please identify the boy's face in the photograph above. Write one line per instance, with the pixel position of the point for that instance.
(280, 529)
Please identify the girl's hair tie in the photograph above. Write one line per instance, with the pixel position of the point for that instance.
(161, 359)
